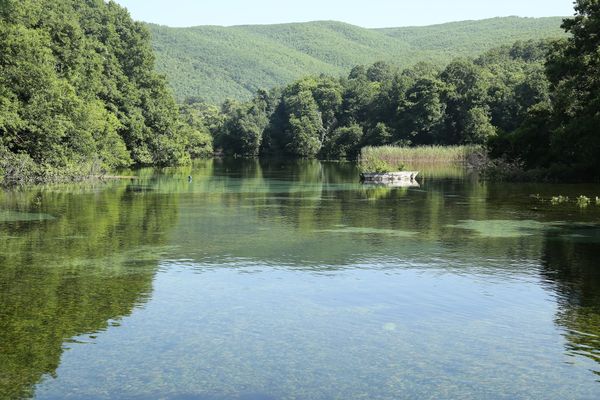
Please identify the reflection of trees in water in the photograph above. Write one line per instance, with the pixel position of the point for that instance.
(572, 269)
(70, 276)
(276, 210)
(297, 201)
(315, 199)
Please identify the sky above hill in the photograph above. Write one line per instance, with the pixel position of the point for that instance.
(369, 14)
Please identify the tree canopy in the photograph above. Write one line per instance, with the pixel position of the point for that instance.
(79, 94)
(469, 101)
(561, 133)
(78, 89)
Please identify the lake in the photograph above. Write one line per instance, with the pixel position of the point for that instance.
(272, 280)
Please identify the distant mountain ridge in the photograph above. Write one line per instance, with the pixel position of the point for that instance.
(215, 63)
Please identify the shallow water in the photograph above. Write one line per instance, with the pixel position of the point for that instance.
(270, 280)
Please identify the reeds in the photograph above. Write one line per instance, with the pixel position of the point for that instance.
(396, 156)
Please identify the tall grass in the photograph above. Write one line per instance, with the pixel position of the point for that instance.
(396, 156)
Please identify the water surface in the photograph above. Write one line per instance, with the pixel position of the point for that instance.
(270, 280)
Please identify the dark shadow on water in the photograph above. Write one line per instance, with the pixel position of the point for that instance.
(572, 269)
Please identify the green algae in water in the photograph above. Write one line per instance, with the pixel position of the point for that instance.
(369, 231)
(18, 216)
(503, 228)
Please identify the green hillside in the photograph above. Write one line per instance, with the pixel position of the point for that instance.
(215, 63)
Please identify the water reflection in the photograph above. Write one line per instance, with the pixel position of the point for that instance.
(75, 273)
(572, 270)
(316, 261)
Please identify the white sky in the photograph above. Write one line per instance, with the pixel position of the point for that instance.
(365, 13)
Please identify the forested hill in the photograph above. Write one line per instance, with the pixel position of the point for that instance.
(214, 63)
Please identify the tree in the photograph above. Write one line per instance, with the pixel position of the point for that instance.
(243, 130)
(559, 133)
(574, 71)
(358, 98)
(421, 113)
(194, 119)
(469, 102)
(478, 127)
(345, 142)
(303, 133)
(328, 95)
(303, 130)
(378, 135)
(78, 89)
(465, 90)
(380, 72)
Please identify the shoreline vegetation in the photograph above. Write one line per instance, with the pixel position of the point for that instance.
(79, 95)
(386, 159)
(424, 154)
(80, 98)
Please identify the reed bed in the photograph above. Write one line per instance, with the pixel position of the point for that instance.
(396, 157)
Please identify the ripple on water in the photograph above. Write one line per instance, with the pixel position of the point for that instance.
(502, 228)
(19, 216)
(368, 231)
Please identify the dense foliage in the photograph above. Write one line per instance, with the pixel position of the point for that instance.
(561, 135)
(78, 92)
(467, 102)
(215, 63)
(536, 105)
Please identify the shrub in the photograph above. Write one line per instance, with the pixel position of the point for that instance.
(503, 170)
(377, 166)
(19, 169)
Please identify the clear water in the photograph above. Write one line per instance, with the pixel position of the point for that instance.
(269, 280)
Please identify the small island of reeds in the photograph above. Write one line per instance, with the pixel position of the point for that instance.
(394, 158)
(387, 164)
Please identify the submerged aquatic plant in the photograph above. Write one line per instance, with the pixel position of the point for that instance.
(583, 201)
(497, 229)
(556, 200)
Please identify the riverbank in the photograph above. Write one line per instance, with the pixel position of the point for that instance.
(20, 170)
